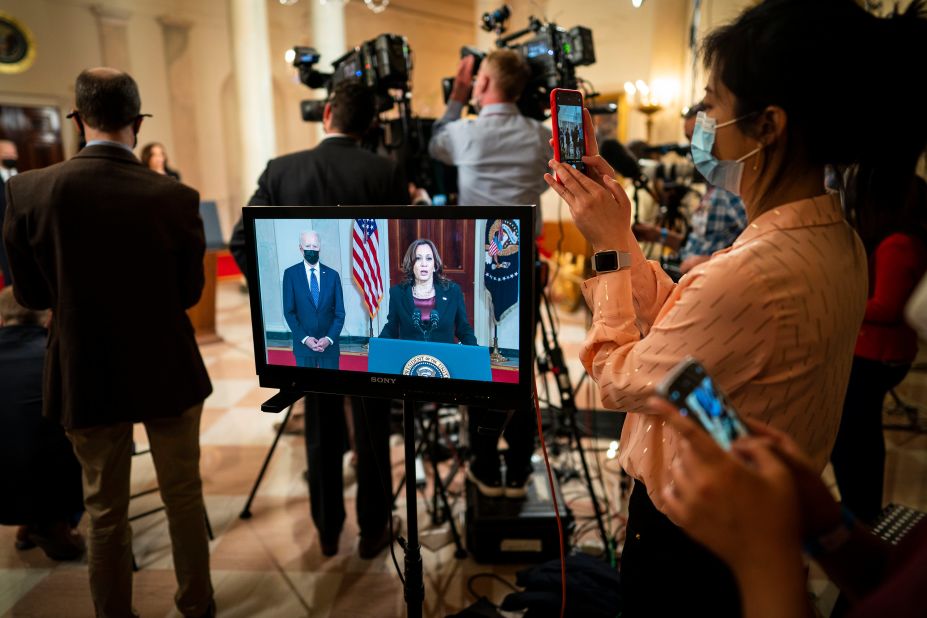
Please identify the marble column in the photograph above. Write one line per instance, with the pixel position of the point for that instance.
(178, 58)
(251, 50)
(112, 24)
(328, 38)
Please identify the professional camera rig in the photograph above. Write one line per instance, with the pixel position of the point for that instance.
(384, 64)
(552, 54)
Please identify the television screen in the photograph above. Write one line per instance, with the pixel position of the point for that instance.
(431, 302)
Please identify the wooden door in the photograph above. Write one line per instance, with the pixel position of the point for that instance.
(454, 239)
(36, 131)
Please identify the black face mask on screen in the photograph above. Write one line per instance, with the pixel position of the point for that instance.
(311, 255)
(8, 163)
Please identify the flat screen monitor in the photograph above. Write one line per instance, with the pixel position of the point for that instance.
(417, 302)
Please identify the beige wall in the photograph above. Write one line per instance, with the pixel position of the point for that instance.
(68, 40)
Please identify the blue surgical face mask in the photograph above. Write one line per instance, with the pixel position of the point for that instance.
(722, 174)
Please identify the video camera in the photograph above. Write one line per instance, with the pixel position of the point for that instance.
(383, 64)
(552, 53)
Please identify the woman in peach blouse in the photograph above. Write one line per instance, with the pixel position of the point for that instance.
(774, 318)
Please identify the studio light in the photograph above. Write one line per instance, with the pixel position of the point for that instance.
(377, 6)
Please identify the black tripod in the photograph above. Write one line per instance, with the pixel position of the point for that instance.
(552, 361)
(246, 511)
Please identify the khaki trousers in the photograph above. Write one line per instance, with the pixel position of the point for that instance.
(105, 455)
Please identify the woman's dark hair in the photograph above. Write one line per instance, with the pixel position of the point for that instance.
(147, 152)
(146, 157)
(847, 81)
(408, 263)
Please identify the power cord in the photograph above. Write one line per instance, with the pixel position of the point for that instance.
(553, 494)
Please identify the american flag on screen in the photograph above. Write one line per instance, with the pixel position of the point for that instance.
(494, 245)
(366, 264)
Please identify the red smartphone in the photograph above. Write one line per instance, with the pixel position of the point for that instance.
(566, 117)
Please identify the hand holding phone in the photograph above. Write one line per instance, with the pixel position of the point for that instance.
(689, 387)
(566, 116)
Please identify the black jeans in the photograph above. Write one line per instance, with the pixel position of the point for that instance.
(326, 443)
(859, 452)
(666, 573)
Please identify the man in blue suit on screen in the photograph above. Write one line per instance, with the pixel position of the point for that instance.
(313, 306)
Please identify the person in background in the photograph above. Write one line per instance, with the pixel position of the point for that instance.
(892, 221)
(500, 157)
(774, 318)
(154, 157)
(110, 366)
(763, 504)
(715, 224)
(9, 156)
(42, 487)
(339, 171)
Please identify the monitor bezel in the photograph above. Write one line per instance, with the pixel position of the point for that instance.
(365, 384)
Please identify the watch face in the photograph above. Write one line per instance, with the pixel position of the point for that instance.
(606, 261)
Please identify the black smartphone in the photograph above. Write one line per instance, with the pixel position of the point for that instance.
(566, 116)
(689, 387)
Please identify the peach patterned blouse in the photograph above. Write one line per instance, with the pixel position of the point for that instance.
(774, 320)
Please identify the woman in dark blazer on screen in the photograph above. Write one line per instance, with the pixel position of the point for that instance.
(426, 305)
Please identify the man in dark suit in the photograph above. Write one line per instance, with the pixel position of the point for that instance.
(8, 158)
(313, 306)
(339, 172)
(116, 251)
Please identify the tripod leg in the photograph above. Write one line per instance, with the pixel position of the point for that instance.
(595, 502)
(246, 511)
(440, 490)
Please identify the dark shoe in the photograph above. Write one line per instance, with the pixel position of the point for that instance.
(488, 482)
(210, 611)
(58, 541)
(22, 539)
(329, 548)
(516, 482)
(370, 547)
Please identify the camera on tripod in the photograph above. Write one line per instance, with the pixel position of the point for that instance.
(552, 53)
(383, 64)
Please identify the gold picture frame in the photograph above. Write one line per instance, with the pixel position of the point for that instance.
(17, 45)
(619, 119)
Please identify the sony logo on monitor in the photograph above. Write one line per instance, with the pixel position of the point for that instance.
(378, 380)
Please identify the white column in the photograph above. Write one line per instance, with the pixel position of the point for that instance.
(112, 23)
(255, 90)
(328, 38)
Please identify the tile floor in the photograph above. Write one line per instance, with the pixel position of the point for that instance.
(271, 565)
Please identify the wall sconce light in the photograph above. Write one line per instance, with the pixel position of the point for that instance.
(651, 98)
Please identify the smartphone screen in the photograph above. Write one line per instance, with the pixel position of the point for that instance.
(568, 116)
(694, 392)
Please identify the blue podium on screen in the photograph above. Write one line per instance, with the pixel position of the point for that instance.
(429, 359)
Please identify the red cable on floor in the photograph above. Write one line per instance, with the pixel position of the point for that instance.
(553, 494)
